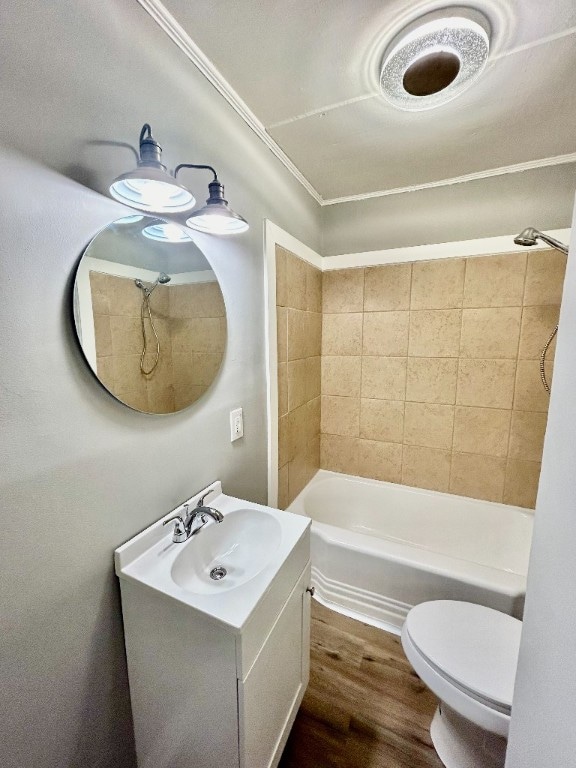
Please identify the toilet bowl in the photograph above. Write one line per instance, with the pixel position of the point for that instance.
(467, 655)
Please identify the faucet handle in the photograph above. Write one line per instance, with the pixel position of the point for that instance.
(180, 526)
(200, 502)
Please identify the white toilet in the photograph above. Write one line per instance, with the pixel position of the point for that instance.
(467, 655)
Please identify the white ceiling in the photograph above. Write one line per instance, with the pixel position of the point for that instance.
(308, 71)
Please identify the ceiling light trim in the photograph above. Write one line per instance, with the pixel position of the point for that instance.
(463, 33)
(180, 37)
(504, 170)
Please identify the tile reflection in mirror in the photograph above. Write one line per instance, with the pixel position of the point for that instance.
(149, 314)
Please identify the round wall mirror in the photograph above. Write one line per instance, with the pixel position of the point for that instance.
(149, 314)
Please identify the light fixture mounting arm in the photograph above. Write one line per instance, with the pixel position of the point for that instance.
(201, 167)
(150, 150)
(215, 187)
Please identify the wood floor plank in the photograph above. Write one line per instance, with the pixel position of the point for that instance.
(375, 745)
(364, 707)
(313, 744)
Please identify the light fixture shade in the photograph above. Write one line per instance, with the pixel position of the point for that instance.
(435, 59)
(217, 218)
(151, 189)
(166, 232)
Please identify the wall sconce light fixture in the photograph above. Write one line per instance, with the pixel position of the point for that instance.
(216, 217)
(151, 187)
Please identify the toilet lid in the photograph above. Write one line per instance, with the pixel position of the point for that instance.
(474, 646)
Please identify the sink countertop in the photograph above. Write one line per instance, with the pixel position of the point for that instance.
(149, 557)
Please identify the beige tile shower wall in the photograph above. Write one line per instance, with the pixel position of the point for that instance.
(116, 303)
(299, 318)
(197, 322)
(191, 327)
(430, 372)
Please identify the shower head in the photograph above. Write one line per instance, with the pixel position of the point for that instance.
(530, 236)
(162, 279)
(526, 237)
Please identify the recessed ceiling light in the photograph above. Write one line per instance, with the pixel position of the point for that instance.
(433, 60)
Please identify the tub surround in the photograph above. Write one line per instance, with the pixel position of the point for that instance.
(191, 322)
(299, 318)
(430, 372)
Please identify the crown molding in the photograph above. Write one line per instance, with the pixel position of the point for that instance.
(182, 39)
(504, 170)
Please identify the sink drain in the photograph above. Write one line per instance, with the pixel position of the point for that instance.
(218, 573)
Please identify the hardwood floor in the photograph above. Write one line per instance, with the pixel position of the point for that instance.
(364, 707)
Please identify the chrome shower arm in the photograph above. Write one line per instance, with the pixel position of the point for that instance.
(530, 235)
(551, 241)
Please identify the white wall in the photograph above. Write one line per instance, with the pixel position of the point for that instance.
(543, 731)
(79, 472)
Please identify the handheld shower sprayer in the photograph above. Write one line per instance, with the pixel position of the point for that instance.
(162, 279)
(529, 237)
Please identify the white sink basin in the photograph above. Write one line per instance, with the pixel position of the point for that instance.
(251, 544)
(241, 545)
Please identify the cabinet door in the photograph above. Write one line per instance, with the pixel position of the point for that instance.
(271, 694)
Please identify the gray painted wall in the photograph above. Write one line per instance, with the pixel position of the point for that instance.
(501, 205)
(75, 73)
(81, 473)
(542, 731)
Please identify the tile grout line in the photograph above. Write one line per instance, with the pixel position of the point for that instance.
(457, 374)
(423, 445)
(319, 435)
(286, 464)
(362, 356)
(406, 374)
(357, 445)
(362, 345)
(321, 360)
(507, 463)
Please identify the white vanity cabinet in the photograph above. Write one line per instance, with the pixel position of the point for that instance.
(270, 693)
(210, 694)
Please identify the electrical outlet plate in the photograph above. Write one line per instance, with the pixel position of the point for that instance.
(236, 424)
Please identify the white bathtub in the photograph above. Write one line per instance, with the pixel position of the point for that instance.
(379, 548)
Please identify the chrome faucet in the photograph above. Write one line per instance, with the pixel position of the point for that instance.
(184, 527)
